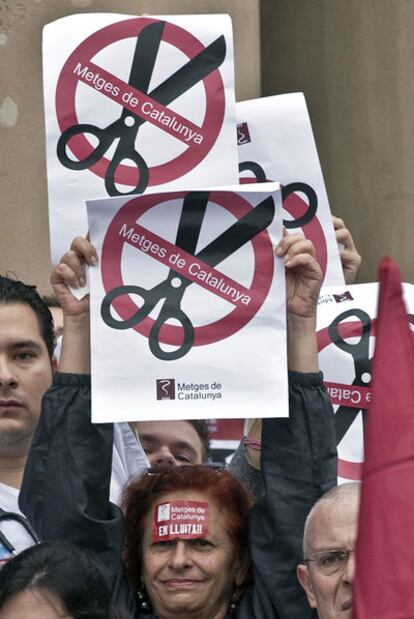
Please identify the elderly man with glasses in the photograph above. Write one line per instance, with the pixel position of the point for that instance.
(327, 571)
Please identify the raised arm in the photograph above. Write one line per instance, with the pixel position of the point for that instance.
(65, 492)
(75, 354)
(298, 453)
(303, 281)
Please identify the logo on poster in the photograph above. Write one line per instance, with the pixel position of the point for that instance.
(243, 135)
(163, 512)
(165, 389)
(345, 296)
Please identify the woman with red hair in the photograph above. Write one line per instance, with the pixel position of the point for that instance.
(199, 567)
(193, 548)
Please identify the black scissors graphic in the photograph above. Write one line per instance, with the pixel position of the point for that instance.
(173, 287)
(126, 127)
(345, 415)
(309, 192)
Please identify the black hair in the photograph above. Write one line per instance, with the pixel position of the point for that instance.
(201, 427)
(15, 291)
(64, 570)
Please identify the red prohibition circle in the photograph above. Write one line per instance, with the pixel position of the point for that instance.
(346, 468)
(296, 206)
(66, 96)
(171, 334)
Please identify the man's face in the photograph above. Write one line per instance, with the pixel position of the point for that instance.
(25, 374)
(170, 443)
(333, 527)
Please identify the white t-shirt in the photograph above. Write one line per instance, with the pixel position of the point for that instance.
(128, 459)
(12, 530)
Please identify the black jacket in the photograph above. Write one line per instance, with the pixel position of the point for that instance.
(66, 488)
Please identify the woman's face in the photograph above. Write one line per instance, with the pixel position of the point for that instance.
(191, 577)
(34, 604)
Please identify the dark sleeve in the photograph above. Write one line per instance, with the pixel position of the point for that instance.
(250, 477)
(65, 491)
(298, 466)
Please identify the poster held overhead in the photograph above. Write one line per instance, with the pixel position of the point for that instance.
(187, 284)
(132, 103)
(275, 142)
(346, 331)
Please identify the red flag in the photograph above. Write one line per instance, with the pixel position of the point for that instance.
(384, 579)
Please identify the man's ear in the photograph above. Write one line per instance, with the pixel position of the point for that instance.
(303, 575)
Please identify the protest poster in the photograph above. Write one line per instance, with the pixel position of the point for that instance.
(188, 305)
(275, 142)
(346, 342)
(134, 102)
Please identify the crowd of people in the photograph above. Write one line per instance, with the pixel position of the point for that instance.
(79, 501)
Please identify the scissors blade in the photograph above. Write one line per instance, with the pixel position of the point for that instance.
(192, 72)
(191, 219)
(343, 419)
(145, 55)
(242, 231)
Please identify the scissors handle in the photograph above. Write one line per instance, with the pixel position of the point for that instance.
(252, 166)
(140, 314)
(170, 310)
(104, 137)
(310, 193)
(125, 151)
(363, 344)
(360, 350)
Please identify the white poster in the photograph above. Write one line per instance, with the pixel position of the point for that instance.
(346, 340)
(134, 102)
(188, 305)
(276, 142)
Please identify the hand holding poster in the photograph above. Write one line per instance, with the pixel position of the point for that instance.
(131, 103)
(276, 142)
(190, 301)
(346, 341)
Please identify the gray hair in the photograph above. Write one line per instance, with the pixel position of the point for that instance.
(345, 494)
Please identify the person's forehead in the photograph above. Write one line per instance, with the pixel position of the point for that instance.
(37, 603)
(18, 322)
(334, 525)
(217, 517)
(169, 432)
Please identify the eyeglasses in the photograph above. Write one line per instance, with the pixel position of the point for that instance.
(329, 562)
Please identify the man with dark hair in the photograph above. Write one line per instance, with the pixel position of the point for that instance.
(27, 365)
(174, 442)
(27, 340)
